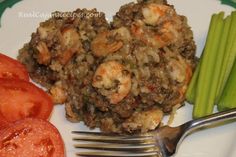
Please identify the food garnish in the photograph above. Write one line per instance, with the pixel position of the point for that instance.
(206, 87)
(3, 122)
(215, 65)
(31, 138)
(229, 53)
(191, 91)
(228, 97)
(11, 68)
(20, 99)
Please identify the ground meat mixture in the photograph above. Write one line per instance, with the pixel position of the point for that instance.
(121, 77)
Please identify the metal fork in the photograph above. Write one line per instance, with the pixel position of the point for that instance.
(159, 143)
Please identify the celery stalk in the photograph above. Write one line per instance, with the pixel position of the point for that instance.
(191, 91)
(204, 100)
(230, 53)
(219, 59)
(228, 98)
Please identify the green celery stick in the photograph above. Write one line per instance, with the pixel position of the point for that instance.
(230, 53)
(228, 98)
(204, 100)
(220, 55)
(219, 59)
(208, 45)
(191, 91)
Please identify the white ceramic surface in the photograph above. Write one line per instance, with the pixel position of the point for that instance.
(16, 30)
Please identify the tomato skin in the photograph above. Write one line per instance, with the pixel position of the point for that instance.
(3, 122)
(20, 99)
(11, 68)
(31, 137)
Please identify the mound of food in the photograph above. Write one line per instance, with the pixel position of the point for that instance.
(121, 77)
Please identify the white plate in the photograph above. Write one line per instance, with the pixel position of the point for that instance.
(16, 30)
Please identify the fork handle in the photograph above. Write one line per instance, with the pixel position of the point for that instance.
(211, 120)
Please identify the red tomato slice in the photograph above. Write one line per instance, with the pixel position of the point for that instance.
(3, 122)
(31, 138)
(20, 99)
(11, 68)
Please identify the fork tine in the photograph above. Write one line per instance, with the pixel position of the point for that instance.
(113, 140)
(119, 147)
(120, 154)
(84, 133)
(144, 144)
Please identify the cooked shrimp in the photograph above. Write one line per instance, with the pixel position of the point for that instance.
(179, 70)
(71, 43)
(156, 13)
(176, 70)
(123, 32)
(66, 56)
(161, 17)
(44, 56)
(58, 94)
(137, 28)
(104, 43)
(144, 120)
(46, 30)
(71, 39)
(168, 33)
(113, 80)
